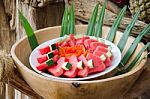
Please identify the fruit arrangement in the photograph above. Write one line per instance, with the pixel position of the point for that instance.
(80, 54)
(75, 57)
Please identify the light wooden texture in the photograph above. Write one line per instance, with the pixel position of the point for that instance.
(50, 88)
(84, 8)
(11, 30)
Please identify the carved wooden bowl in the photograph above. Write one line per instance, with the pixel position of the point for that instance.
(108, 88)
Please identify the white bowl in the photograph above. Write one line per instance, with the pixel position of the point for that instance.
(115, 61)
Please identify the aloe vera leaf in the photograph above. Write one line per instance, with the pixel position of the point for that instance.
(112, 31)
(91, 25)
(131, 49)
(64, 26)
(126, 33)
(29, 31)
(135, 60)
(98, 32)
(72, 20)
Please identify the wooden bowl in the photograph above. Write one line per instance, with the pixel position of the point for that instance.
(109, 88)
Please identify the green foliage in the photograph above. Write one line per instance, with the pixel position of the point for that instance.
(29, 31)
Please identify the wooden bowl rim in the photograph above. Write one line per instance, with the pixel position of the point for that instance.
(139, 67)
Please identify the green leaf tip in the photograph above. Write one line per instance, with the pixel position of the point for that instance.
(99, 26)
(132, 48)
(112, 32)
(64, 25)
(91, 24)
(29, 31)
(126, 33)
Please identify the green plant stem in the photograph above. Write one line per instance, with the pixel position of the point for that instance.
(29, 31)
(112, 32)
(99, 26)
(124, 38)
(91, 25)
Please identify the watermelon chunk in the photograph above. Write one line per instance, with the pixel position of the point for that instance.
(64, 44)
(44, 50)
(56, 70)
(100, 48)
(42, 58)
(94, 45)
(81, 40)
(83, 72)
(42, 67)
(73, 71)
(87, 43)
(98, 65)
(98, 53)
(55, 58)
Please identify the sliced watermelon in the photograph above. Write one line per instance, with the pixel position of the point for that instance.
(94, 45)
(87, 42)
(89, 56)
(64, 44)
(98, 65)
(73, 71)
(55, 58)
(83, 72)
(55, 52)
(56, 70)
(100, 48)
(42, 58)
(42, 67)
(44, 50)
(81, 40)
(107, 62)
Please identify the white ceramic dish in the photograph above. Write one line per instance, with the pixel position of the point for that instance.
(116, 60)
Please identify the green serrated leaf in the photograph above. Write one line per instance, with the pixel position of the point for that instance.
(72, 20)
(132, 48)
(135, 60)
(124, 38)
(64, 25)
(91, 25)
(29, 31)
(99, 26)
(112, 32)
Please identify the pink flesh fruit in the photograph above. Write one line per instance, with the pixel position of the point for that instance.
(98, 53)
(44, 50)
(73, 71)
(42, 58)
(57, 70)
(87, 43)
(94, 45)
(83, 72)
(98, 65)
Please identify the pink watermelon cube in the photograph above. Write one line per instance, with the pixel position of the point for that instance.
(44, 50)
(42, 58)
(87, 42)
(98, 53)
(83, 72)
(42, 67)
(64, 44)
(55, 58)
(94, 45)
(103, 49)
(56, 70)
(73, 71)
(98, 65)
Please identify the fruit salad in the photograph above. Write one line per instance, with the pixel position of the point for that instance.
(75, 56)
